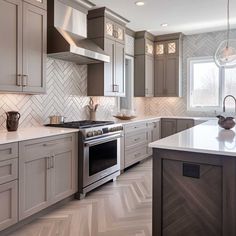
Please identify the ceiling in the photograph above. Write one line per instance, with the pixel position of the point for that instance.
(185, 16)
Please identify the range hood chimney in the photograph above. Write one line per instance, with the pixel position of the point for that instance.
(67, 33)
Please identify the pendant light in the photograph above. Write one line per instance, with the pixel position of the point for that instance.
(225, 55)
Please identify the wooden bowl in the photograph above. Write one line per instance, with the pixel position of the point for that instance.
(125, 117)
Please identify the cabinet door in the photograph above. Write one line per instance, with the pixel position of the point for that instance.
(63, 175)
(149, 76)
(139, 76)
(109, 73)
(120, 69)
(153, 133)
(183, 124)
(171, 76)
(38, 3)
(159, 77)
(168, 127)
(9, 205)
(10, 45)
(34, 48)
(34, 180)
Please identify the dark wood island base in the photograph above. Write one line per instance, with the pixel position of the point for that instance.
(194, 194)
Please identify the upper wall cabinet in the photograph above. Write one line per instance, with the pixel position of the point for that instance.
(23, 46)
(107, 30)
(144, 65)
(38, 3)
(168, 62)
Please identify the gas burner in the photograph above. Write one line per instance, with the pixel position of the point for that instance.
(82, 124)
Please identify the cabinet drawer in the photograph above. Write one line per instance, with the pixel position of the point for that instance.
(38, 3)
(47, 146)
(8, 203)
(8, 151)
(135, 155)
(8, 170)
(134, 127)
(136, 139)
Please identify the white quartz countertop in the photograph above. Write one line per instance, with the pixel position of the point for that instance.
(204, 138)
(150, 118)
(32, 133)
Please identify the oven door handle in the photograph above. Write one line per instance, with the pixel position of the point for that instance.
(102, 140)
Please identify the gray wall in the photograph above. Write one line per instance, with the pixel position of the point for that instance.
(198, 45)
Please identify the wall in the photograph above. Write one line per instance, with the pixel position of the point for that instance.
(66, 95)
(193, 46)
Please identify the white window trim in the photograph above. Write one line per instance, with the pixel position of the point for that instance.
(211, 109)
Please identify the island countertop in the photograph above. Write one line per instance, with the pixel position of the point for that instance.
(204, 138)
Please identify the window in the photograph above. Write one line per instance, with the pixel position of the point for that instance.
(209, 84)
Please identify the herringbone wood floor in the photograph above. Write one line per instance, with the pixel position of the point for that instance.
(121, 208)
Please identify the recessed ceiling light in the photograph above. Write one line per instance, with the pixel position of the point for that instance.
(139, 3)
(164, 25)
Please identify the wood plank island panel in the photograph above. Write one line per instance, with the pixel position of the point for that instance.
(195, 192)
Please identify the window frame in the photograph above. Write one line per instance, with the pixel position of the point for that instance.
(190, 63)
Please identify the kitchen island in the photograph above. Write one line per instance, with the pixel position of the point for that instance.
(194, 182)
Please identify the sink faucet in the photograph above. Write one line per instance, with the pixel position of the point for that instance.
(225, 100)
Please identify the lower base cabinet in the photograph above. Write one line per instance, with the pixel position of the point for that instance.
(170, 126)
(137, 137)
(47, 172)
(9, 204)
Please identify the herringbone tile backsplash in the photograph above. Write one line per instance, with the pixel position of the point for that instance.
(198, 45)
(66, 95)
(67, 89)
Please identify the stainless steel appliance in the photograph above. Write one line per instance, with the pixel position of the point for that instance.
(67, 33)
(99, 153)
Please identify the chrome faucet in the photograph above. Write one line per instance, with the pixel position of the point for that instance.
(225, 100)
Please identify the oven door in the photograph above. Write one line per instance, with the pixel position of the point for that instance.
(101, 158)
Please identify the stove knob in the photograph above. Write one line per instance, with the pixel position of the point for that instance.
(95, 132)
(90, 134)
(99, 132)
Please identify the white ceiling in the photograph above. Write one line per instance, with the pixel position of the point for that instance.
(187, 16)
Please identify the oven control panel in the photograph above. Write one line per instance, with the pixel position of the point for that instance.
(97, 131)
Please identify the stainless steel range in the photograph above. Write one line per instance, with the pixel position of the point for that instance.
(99, 152)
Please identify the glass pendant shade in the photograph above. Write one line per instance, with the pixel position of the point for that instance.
(225, 55)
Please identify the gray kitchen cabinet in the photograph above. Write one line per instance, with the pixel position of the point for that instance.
(39, 3)
(10, 45)
(172, 126)
(8, 204)
(23, 47)
(168, 57)
(120, 69)
(135, 143)
(183, 124)
(153, 133)
(144, 65)
(168, 127)
(34, 49)
(47, 170)
(63, 174)
(107, 79)
(8, 185)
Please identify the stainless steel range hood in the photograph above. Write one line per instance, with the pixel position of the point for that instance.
(67, 33)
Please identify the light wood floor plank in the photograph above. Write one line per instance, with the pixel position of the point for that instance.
(121, 208)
